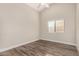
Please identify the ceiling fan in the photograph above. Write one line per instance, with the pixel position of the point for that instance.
(39, 6)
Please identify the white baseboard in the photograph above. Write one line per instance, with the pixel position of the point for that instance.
(8, 48)
(59, 41)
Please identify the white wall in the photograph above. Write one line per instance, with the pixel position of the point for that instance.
(59, 11)
(77, 26)
(18, 24)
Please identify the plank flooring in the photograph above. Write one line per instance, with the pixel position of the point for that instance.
(42, 48)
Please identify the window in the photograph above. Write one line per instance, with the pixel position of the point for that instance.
(56, 26)
(51, 25)
(60, 26)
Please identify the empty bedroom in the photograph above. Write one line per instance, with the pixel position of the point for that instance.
(39, 29)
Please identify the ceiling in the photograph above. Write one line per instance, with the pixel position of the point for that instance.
(39, 6)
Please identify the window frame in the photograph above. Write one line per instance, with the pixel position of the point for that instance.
(55, 31)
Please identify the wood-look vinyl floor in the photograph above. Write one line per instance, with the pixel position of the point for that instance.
(42, 48)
